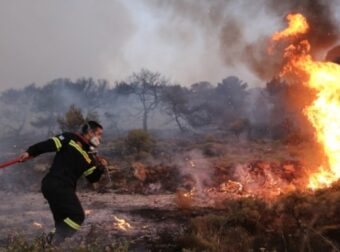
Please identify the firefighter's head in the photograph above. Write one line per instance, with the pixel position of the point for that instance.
(92, 131)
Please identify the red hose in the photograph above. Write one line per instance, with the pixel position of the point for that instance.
(9, 163)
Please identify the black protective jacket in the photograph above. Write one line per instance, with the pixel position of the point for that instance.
(72, 160)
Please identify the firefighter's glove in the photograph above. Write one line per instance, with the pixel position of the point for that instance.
(23, 157)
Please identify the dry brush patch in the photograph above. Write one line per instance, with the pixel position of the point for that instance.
(298, 221)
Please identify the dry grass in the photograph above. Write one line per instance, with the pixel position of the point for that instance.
(295, 222)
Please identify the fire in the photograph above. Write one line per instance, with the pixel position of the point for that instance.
(190, 193)
(231, 187)
(122, 224)
(324, 112)
(297, 24)
(88, 212)
(37, 224)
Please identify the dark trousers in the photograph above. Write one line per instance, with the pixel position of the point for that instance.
(67, 211)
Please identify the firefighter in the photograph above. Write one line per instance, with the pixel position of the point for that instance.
(74, 157)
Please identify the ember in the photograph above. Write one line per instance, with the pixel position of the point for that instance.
(184, 198)
(37, 224)
(122, 224)
(88, 212)
(231, 187)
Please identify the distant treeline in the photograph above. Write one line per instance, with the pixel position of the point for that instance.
(148, 100)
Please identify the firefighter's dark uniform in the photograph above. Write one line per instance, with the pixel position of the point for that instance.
(71, 161)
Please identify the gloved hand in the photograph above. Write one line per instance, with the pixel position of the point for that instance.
(102, 161)
(24, 156)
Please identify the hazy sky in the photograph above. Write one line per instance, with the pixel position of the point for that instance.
(46, 39)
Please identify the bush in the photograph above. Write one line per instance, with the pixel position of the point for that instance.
(138, 141)
(72, 120)
(239, 126)
(295, 222)
(212, 150)
(212, 233)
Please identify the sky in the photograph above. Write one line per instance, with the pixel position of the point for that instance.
(42, 40)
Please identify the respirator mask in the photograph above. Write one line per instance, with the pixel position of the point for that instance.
(94, 141)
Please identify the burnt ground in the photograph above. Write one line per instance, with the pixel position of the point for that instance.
(155, 220)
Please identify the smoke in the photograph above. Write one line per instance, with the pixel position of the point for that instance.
(42, 41)
(239, 31)
(258, 106)
(195, 167)
(190, 40)
(321, 15)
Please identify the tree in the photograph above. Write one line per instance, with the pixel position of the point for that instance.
(50, 103)
(216, 105)
(198, 113)
(287, 106)
(146, 85)
(138, 141)
(15, 110)
(72, 120)
(228, 103)
(44, 122)
(91, 94)
(175, 101)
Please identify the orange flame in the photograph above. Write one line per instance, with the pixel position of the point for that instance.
(324, 112)
(297, 24)
(122, 224)
(88, 212)
(37, 224)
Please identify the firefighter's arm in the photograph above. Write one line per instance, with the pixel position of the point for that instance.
(94, 172)
(53, 144)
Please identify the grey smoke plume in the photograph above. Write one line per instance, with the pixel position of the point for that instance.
(196, 166)
(45, 40)
(188, 40)
(241, 29)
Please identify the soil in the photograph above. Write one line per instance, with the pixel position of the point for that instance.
(155, 220)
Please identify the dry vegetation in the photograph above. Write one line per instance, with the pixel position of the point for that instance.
(294, 222)
(148, 188)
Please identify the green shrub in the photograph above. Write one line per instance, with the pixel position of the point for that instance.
(72, 120)
(138, 141)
